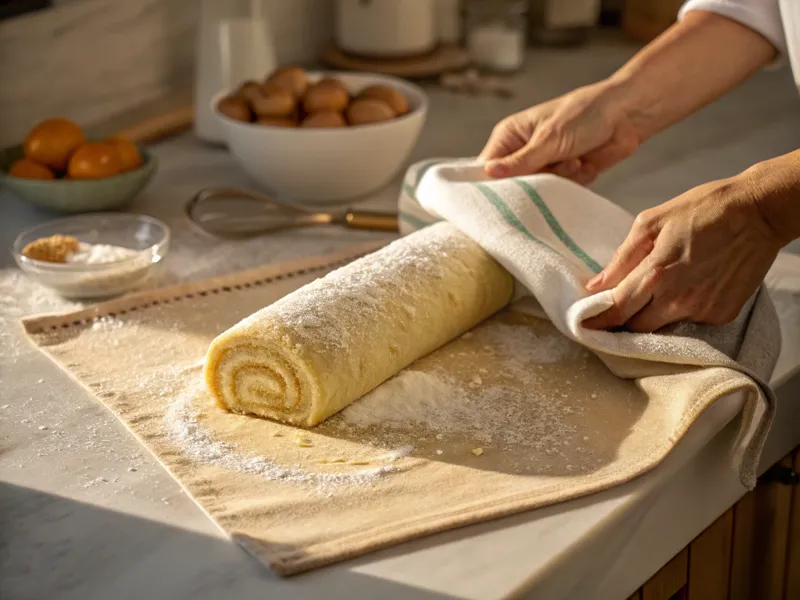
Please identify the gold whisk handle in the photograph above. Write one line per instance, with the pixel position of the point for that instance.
(378, 221)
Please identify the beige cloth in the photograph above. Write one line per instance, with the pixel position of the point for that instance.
(552, 421)
(552, 235)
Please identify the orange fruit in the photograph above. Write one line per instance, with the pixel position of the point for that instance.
(27, 169)
(131, 158)
(95, 160)
(52, 142)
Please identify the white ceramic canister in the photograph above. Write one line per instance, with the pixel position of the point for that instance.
(386, 28)
(234, 43)
(448, 21)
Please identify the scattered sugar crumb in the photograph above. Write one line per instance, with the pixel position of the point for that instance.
(514, 410)
(440, 452)
(477, 451)
(193, 440)
(397, 453)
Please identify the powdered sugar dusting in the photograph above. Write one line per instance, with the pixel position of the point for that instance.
(520, 345)
(20, 296)
(194, 440)
(509, 404)
(328, 311)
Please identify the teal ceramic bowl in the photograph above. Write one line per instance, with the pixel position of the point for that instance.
(78, 196)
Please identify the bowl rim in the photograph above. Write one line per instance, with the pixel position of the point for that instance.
(44, 265)
(420, 109)
(148, 164)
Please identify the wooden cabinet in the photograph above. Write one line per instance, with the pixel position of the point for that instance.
(752, 552)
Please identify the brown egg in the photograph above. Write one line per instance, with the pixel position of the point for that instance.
(324, 119)
(324, 97)
(297, 115)
(396, 100)
(369, 110)
(277, 122)
(129, 153)
(332, 82)
(291, 79)
(234, 108)
(52, 142)
(248, 90)
(94, 160)
(273, 102)
(27, 169)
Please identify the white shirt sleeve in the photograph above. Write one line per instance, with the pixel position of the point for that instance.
(762, 16)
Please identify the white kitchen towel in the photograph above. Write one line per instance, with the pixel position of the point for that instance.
(553, 235)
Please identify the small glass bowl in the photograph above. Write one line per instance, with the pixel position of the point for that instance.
(148, 236)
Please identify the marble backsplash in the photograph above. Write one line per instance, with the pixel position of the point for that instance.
(91, 60)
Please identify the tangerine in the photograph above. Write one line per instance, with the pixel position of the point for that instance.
(131, 157)
(52, 142)
(27, 169)
(95, 160)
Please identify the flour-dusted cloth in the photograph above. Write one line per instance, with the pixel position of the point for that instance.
(552, 235)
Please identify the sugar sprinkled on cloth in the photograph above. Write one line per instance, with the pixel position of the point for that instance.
(199, 443)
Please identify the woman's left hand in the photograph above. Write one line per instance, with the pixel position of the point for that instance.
(698, 257)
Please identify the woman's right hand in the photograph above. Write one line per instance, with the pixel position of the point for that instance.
(577, 136)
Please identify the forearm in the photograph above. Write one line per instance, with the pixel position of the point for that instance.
(774, 185)
(690, 65)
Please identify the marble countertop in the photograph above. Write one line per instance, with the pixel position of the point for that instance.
(87, 513)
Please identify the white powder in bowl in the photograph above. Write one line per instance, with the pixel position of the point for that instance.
(93, 254)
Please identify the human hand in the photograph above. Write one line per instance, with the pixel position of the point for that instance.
(575, 136)
(698, 257)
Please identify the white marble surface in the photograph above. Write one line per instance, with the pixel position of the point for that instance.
(86, 513)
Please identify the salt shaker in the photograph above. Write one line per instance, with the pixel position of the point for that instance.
(496, 34)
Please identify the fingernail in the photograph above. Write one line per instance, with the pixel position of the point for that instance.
(595, 281)
(497, 169)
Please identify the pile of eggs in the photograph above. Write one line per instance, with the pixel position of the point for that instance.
(58, 149)
(287, 99)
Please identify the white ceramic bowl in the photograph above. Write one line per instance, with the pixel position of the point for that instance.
(327, 166)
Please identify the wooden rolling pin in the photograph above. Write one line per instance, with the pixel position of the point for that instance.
(159, 126)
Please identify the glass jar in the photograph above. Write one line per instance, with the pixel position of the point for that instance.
(495, 33)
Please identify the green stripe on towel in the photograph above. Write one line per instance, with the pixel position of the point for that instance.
(509, 215)
(555, 226)
(424, 169)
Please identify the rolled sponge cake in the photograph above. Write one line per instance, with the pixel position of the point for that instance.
(320, 348)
